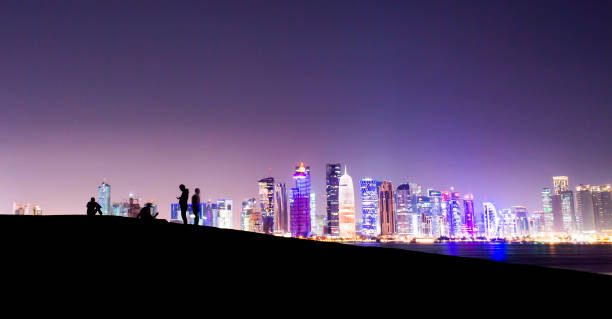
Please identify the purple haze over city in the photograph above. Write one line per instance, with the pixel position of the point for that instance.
(491, 97)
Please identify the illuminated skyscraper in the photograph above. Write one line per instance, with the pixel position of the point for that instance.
(453, 216)
(248, 208)
(564, 212)
(386, 209)
(346, 199)
(300, 203)
(104, 198)
(424, 220)
(548, 218)
(332, 184)
(117, 209)
(602, 205)
(521, 220)
(313, 214)
(585, 214)
(437, 218)
(468, 214)
(19, 209)
(266, 203)
(281, 213)
(369, 207)
(560, 184)
(225, 213)
(36, 210)
(491, 220)
(403, 209)
(507, 227)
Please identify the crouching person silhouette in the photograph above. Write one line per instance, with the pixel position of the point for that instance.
(145, 213)
(93, 207)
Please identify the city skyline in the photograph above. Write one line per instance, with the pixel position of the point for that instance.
(490, 98)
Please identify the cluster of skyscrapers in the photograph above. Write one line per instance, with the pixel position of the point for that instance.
(408, 210)
(587, 210)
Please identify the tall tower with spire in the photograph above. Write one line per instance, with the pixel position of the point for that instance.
(346, 206)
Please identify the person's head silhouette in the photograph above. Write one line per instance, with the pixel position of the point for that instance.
(93, 199)
(182, 187)
(149, 205)
(197, 191)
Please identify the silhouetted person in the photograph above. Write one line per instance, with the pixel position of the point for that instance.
(183, 202)
(195, 206)
(145, 213)
(93, 207)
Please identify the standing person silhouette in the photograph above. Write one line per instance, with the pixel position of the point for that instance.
(183, 202)
(93, 207)
(195, 206)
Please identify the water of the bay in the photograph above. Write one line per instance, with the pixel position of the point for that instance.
(595, 258)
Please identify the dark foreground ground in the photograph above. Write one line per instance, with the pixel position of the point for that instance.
(188, 267)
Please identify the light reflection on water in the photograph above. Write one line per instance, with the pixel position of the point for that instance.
(585, 257)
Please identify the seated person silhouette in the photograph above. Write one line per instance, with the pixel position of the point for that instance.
(145, 213)
(93, 207)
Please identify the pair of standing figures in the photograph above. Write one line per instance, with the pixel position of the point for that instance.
(195, 204)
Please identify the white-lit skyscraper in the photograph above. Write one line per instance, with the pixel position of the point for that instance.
(346, 200)
(560, 184)
(490, 220)
(403, 209)
(104, 198)
(585, 214)
(225, 214)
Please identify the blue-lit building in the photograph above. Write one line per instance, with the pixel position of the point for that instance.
(175, 214)
(453, 216)
(369, 207)
(104, 198)
(300, 203)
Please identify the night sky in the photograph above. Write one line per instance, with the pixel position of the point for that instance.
(490, 97)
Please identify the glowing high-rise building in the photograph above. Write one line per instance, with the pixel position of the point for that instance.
(104, 198)
(437, 217)
(548, 219)
(225, 214)
(313, 214)
(585, 214)
(491, 220)
(36, 210)
(266, 203)
(602, 206)
(369, 207)
(453, 216)
(424, 220)
(300, 202)
(403, 209)
(386, 209)
(521, 220)
(468, 214)
(281, 212)
(332, 185)
(560, 184)
(346, 210)
(248, 208)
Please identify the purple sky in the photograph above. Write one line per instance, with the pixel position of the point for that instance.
(491, 97)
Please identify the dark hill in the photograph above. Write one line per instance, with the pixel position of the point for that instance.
(125, 256)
